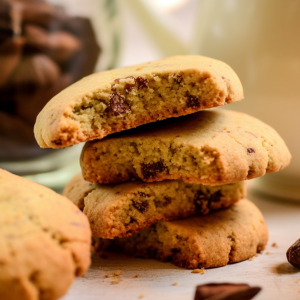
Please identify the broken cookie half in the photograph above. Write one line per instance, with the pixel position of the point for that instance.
(112, 101)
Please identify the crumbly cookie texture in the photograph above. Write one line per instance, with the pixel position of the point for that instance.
(208, 147)
(214, 240)
(118, 210)
(124, 98)
(44, 241)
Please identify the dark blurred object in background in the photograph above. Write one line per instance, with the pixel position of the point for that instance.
(42, 51)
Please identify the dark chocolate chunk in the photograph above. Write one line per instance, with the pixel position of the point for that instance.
(225, 291)
(141, 82)
(168, 200)
(178, 79)
(151, 169)
(192, 101)
(57, 142)
(293, 254)
(140, 206)
(142, 194)
(203, 200)
(128, 87)
(117, 104)
(250, 150)
(175, 250)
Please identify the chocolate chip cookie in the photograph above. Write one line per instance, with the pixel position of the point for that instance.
(118, 210)
(44, 241)
(115, 100)
(214, 240)
(208, 147)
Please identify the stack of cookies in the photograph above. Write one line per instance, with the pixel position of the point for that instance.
(171, 189)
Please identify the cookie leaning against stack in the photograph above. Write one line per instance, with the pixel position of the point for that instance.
(216, 148)
(44, 241)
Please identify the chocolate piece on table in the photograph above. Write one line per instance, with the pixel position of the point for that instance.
(293, 254)
(59, 45)
(10, 56)
(225, 291)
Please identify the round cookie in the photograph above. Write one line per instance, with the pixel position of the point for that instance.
(214, 240)
(44, 241)
(208, 147)
(118, 210)
(119, 99)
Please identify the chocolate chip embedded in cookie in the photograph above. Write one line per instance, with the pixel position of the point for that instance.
(115, 100)
(214, 240)
(208, 147)
(44, 240)
(118, 210)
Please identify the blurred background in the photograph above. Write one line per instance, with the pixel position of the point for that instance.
(47, 45)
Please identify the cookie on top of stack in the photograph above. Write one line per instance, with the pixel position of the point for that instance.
(171, 189)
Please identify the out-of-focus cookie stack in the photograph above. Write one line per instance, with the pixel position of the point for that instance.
(170, 189)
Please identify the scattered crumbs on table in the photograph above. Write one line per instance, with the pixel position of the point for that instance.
(251, 258)
(153, 279)
(268, 253)
(117, 273)
(141, 296)
(114, 274)
(297, 281)
(116, 280)
(136, 276)
(274, 245)
(174, 283)
(199, 271)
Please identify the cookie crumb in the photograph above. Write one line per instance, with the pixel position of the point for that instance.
(200, 271)
(117, 273)
(141, 296)
(153, 279)
(297, 281)
(116, 281)
(251, 258)
(137, 69)
(268, 253)
(114, 274)
(175, 283)
(136, 276)
(256, 255)
(274, 245)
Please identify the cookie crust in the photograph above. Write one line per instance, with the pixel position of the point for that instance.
(115, 100)
(214, 240)
(119, 210)
(44, 241)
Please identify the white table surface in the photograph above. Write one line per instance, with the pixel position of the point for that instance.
(272, 272)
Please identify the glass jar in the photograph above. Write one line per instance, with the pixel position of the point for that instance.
(44, 47)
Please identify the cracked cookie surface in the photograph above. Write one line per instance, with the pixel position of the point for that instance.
(44, 241)
(115, 100)
(214, 240)
(209, 147)
(118, 210)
